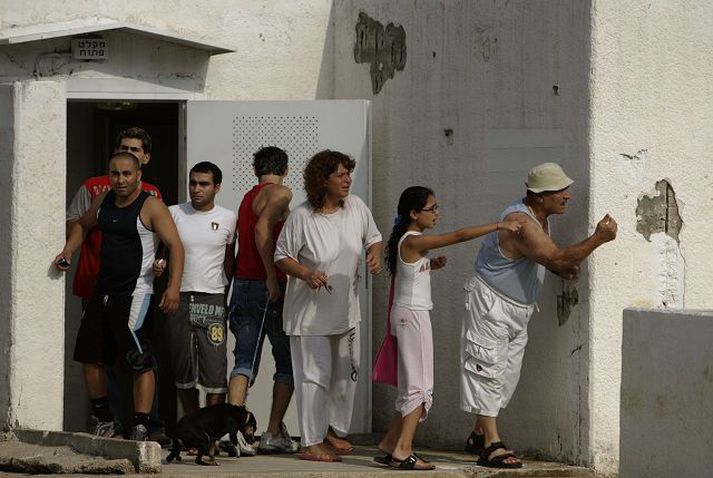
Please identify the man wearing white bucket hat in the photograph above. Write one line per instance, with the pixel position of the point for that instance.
(501, 296)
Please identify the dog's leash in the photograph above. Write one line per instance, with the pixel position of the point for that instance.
(257, 345)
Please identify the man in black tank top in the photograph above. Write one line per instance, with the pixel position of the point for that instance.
(114, 323)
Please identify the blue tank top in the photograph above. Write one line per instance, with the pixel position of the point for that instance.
(519, 279)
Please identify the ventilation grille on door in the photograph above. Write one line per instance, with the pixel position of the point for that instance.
(297, 135)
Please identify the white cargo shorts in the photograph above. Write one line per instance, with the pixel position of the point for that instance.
(493, 339)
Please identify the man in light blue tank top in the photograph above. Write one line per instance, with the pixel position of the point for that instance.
(500, 298)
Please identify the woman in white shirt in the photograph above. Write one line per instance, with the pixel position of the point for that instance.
(319, 249)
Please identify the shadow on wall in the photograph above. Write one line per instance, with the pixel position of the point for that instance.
(6, 190)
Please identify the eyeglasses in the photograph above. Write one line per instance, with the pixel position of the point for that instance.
(433, 208)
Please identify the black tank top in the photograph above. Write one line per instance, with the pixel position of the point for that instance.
(128, 248)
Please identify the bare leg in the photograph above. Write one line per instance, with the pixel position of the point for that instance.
(238, 390)
(388, 443)
(490, 428)
(144, 388)
(189, 400)
(95, 379)
(281, 395)
(404, 444)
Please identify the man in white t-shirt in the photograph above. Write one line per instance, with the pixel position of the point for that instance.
(197, 331)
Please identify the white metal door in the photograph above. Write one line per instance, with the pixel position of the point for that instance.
(228, 133)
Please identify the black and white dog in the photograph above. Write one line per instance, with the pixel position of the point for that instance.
(202, 429)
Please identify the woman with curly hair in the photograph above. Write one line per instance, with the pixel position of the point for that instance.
(319, 249)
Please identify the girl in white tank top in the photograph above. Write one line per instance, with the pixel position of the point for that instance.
(408, 261)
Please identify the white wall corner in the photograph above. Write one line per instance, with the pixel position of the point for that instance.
(37, 204)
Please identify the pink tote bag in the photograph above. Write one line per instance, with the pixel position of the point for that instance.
(386, 361)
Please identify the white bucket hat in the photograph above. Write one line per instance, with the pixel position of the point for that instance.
(547, 177)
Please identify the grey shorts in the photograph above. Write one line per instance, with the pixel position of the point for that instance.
(196, 335)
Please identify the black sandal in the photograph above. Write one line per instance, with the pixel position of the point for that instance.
(497, 461)
(383, 460)
(409, 464)
(387, 458)
(475, 443)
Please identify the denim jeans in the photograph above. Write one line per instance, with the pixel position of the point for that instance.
(247, 309)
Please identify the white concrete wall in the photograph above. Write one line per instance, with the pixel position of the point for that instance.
(33, 314)
(666, 393)
(486, 70)
(651, 110)
(279, 45)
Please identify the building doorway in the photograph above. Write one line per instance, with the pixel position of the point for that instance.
(91, 128)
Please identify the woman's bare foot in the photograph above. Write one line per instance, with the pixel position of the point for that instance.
(319, 452)
(340, 445)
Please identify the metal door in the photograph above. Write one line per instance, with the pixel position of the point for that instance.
(228, 133)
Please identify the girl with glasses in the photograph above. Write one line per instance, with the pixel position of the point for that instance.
(409, 264)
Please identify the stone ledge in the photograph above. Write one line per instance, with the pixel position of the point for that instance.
(145, 456)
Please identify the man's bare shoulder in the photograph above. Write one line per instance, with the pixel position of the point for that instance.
(277, 192)
(519, 216)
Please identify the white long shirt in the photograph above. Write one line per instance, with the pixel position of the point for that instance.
(333, 243)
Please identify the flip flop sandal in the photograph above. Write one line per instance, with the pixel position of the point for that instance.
(409, 463)
(497, 461)
(475, 443)
(383, 460)
(387, 458)
(324, 458)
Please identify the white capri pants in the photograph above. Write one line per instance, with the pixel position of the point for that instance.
(412, 329)
(326, 369)
(493, 339)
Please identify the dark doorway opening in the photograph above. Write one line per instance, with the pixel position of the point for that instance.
(91, 129)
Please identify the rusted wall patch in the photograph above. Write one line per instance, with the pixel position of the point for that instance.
(383, 48)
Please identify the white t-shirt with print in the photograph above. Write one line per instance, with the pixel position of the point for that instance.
(204, 236)
(334, 243)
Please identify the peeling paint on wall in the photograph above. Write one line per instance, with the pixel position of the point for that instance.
(659, 220)
(383, 48)
(659, 212)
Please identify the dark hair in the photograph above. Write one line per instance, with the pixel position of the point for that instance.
(126, 155)
(208, 167)
(413, 198)
(317, 171)
(134, 133)
(270, 160)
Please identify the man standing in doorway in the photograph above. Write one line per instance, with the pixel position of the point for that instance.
(115, 322)
(138, 142)
(197, 331)
(501, 296)
(258, 293)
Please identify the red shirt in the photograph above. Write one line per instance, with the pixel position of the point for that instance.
(85, 277)
(250, 264)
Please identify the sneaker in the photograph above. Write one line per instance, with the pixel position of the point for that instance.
(282, 443)
(102, 429)
(139, 433)
(244, 448)
(227, 447)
